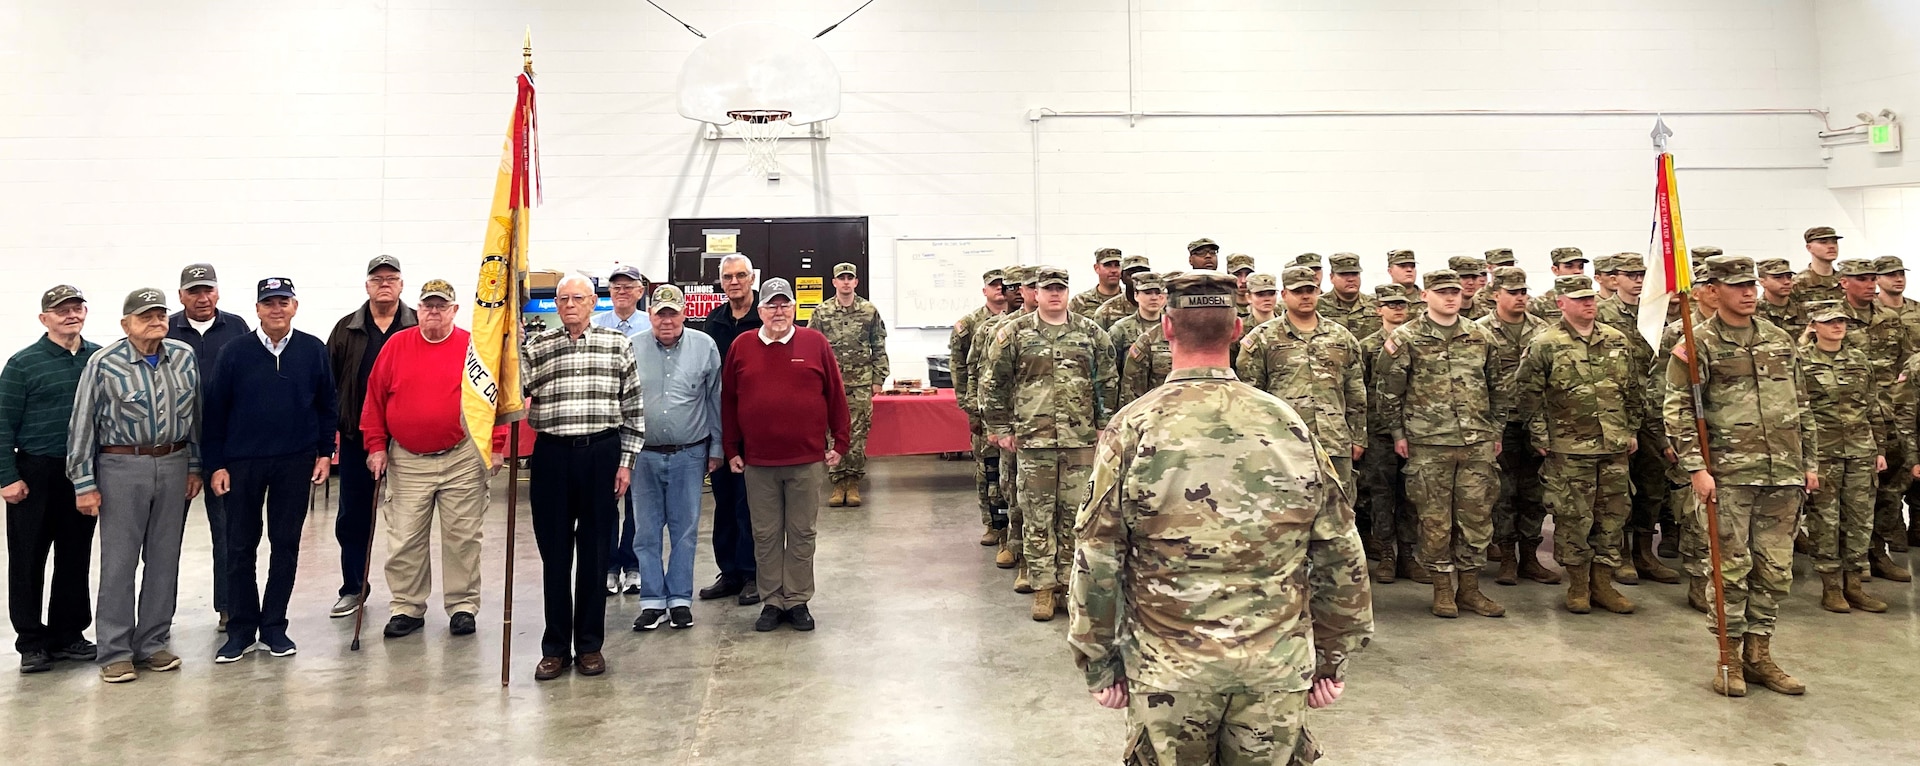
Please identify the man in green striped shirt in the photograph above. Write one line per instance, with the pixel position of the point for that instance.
(36, 398)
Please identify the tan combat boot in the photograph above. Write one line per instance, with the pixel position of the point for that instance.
(1509, 563)
(1625, 574)
(1007, 557)
(1831, 597)
(991, 538)
(1858, 597)
(1443, 595)
(1883, 565)
(1496, 553)
(1802, 544)
(839, 497)
(1471, 597)
(1383, 570)
(1530, 566)
(1042, 604)
(1020, 582)
(1697, 596)
(1757, 656)
(1734, 682)
(1578, 593)
(1601, 580)
(1649, 564)
(851, 493)
(1411, 569)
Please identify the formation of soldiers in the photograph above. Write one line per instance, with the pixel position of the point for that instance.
(1459, 411)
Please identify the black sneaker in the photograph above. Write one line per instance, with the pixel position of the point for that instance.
(35, 661)
(461, 624)
(650, 619)
(278, 644)
(770, 618)
(81, 650)
(402, 626)
(801, 618)
(235, 648)
(682, 618)
(750, 593)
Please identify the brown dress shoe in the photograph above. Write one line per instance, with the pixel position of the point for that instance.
(550, 668)
(591, 664)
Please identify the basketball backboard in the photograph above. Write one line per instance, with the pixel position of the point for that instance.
(759, 66)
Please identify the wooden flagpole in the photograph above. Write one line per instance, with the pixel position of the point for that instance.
(508, 346)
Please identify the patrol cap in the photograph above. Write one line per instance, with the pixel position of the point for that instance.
(1013, 276)
(1604, 265)
(1467, 265)
(1133, 262)
(142, 301)
(1390, 293)
(59, 294)
(1706, 251)
(1266, 283)
(777, 287)
(1889, 264)
(1106, 255)
(1203, 289)
(1239, 262)
(845, 269)
(1311, 260)
(1294, 277)
(1509, 278)
(992, 276)
(1731, 270)
(1629, 263)
(1440, 278)
(1773, 267)
(1147, 280)
(1565, 255)
(273, 287)
(667, 297)
(1821, 232)
(1344, 263)
(1046, 276)
(438, 288)
(1855, 267)
(383, 260)
(200, 275)
(1500, 256)
(1574, 286)
(1397, 257)
(1200, 243)
(1825, 311)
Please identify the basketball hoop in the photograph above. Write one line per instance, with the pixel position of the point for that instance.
(760, 131)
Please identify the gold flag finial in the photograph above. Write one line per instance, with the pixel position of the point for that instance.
(526, 51)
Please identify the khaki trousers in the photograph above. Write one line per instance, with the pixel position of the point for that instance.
(785, 504)
(453, 485)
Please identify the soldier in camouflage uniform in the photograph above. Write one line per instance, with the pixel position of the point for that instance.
(1688, 512)
(1392, 525)
(1311, 261)
(1240, 265)
(1777, 304)
(1495, 258)
(1150, 293)
(1763, 449)
(1849, 415)
(859, 339)
(1473, 281)
(1577, 393)
(1121, 306)
(986, 457)
(1203, 254)
(1651, 465)
(1345, 304)
(1520, 504)
(1263, 301)
(1893, 288)
(1401, 271)
(1148, 361)
(1046, 392)
(1440, 389)
(1820, 281)
(1106, 267)
(1605, 274)
(1214, 663)
(1313, 366)
(1015, 278)
(1885, 339)
(1567, 261)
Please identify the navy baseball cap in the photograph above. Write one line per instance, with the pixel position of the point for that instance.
(274, 287)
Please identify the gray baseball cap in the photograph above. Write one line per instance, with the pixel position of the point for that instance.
(198, 275)
(383, 260)
(142, 301)
(777, 287)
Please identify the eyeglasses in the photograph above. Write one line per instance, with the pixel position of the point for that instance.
(383, 281)
(736, 277)
(628, 287)
(568, 300)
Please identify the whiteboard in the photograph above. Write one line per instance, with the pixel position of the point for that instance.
(937, 281)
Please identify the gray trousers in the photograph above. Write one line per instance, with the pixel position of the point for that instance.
(143, 514)
(785, 503)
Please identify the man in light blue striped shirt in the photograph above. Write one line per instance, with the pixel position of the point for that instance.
(134, 459)
(679, 385)
(625, 288)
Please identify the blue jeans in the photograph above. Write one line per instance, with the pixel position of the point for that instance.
(666, 494)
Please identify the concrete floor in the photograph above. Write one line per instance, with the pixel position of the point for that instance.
(925, 656)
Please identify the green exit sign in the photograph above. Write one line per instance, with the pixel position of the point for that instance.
(1884, 137)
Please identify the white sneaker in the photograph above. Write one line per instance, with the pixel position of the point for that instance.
(632, 582)
(613, 583)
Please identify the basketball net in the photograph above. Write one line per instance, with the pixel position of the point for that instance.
(760, 131)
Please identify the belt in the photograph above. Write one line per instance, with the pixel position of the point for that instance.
(668, 449)
(144, 451)
(581, 441)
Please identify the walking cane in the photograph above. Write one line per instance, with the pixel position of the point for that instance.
(366, 569)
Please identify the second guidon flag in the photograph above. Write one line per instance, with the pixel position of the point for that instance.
(490, 393)
(1674, 274)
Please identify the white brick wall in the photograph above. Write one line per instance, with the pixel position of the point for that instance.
(299, 139)
(1869, 61)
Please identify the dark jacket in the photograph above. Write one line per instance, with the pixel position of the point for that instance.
(206, 348)
(346, 349)
(723, 328)
(260, 406)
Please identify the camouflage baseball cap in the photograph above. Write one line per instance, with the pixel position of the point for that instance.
(1390, 293)
(1500, 256)
(1821, 232)
(59, 294)
(845, 269)
(1106, 255)
(1311, 260)
(1014, 276)
(1200, 243)
(1439, 279)
(1730, 270)
(1889, 264)
(1773, 267)
(1574, 286)
(1467, 265)
(1294, 277)
(1202, 289)
(201, 275)
(1132, 262)
(1239, 262)
(1344, 263)
(992, 276)
(1147, 280)
(1629, 263)
(1045, 276)
(1855, 267)
(1397, 257)
(437, 288)
(1706, 251)
(1604, 264)
(1509, 278)
(1565, 255)
(667, 297)
(1825, 311)
(142, 301)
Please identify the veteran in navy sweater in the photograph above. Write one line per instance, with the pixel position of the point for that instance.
(266, 441)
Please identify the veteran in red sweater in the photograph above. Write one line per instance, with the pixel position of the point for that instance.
(780, 396)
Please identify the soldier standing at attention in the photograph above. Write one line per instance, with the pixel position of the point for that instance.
(1313, 366)
(1567, 261)
(1013, 279)
(1400, 271)
(986, 457)
(1346, 305)
(1497, 257)
(1150, 294)
(1106, 268)
(1440, 389)
(1311, 261)
(1576, 392)
(1473, 278)
(1263, 298)
(1391, 522)
(859, 339)
(1147, 363)
(1232, 562)
(1121, 306)
(1879, 332)
(1650, 466)
(1777, 304)
(1605, 274)
(1849, 416)
(1520, 506)
(1047, 391)
(1820, 282)
(1240, 265)
(1686, 507)
(1203, 255)
(1893, 289)
(1763, 449)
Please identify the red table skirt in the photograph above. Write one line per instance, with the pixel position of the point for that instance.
(918, 425)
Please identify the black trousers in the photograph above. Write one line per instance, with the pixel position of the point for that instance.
(353, 524)
(732, 524)
(574, 507)
(46, 522)
(279, 486)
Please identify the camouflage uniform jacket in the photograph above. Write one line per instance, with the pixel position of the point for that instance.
(1905, 403)
(1578, 395)
(859, 340)
(1849, 411)
(1369, 359)
(1122, 335)
(1149, 360)
(1879, 332)
(1361, 317)
(1483, 301)
(1049, 386)
(1757, 420)
(1215, 552)
(1439, 385)
(1316, 372)
(1242, 306)
(1790, 316)
(1472, 308)
(1909, 314)
(1115, 309)
(1617, 314)
(1089, 302)
(1545, 305)
(1808, 286)
(959, 352)
(1509, 344)
(977, 356)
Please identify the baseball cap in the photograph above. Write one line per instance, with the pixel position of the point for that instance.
(1821, 232)
(198, 275)
(59, 294)
(383, 260)
(142, 301)
(273, 287)
(846, 269)
(667, 297)
(1440, 278)
(777, 287)
(438, 288)
(630, 272)
(1201, 289)
(1574, 286)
